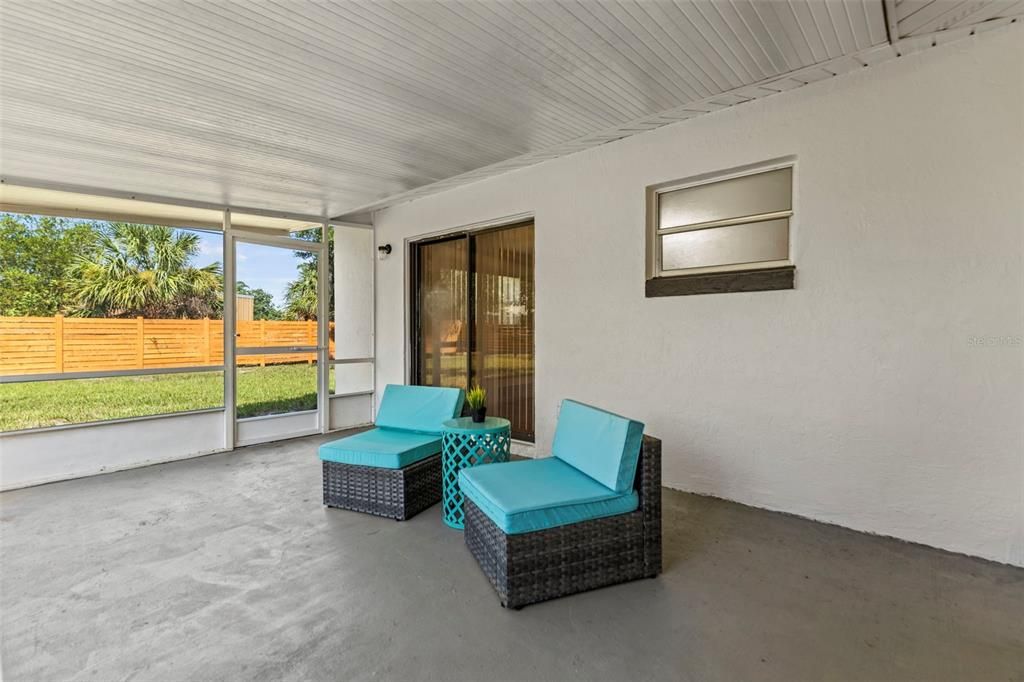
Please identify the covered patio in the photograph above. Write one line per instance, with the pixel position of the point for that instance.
(482, 340)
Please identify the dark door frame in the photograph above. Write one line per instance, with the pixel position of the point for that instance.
(414, 335)
(414, 299)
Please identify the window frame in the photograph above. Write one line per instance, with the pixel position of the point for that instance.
(658, 277)
(226, 235)
(84, 375)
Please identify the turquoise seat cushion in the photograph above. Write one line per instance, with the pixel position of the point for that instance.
(601, 444)
(382, 448)
(418, 408)
(534, 494)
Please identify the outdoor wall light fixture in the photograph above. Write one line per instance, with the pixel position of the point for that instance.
(383, 251)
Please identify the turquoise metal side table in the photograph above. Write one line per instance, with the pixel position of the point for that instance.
(466, 443)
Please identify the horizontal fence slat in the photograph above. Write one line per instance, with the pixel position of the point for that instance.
(30, 345)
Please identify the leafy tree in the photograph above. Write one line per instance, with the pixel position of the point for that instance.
(309, 259)
(36, 255)
(262, 302)
(146, 270)
(313, 235)
(300, 296)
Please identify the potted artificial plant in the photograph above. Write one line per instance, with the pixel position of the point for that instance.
(476, 398)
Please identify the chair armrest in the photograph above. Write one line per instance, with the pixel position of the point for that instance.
(648, 487)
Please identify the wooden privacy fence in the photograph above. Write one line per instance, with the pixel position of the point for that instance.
(54, 345)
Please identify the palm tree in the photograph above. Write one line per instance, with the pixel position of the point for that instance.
(300, 296)
(146, 270)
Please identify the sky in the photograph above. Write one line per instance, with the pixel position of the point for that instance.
(261, 267)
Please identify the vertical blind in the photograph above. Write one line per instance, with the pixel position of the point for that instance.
(474, 319)
(442, 305)
(502, 359)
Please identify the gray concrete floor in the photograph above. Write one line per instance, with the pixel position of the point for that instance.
(227, 568)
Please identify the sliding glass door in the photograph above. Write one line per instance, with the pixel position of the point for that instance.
(473, 318)
(502, 358)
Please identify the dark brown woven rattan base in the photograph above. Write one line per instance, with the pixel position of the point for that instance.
(533, 567)
(397, 494)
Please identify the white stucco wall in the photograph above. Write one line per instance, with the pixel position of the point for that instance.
(354, 256)
(46, 455)
(858, 398)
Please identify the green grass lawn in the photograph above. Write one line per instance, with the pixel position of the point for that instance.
(261, 390)
(274, 389)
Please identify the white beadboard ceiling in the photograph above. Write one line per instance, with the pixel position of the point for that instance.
(339, 108)
(920, 17)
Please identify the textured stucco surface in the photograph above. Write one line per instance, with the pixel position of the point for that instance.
(227, 568)
(41, 456)
(858, 398)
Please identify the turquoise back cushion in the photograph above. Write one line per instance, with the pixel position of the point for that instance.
(418, 408)
(602, 445)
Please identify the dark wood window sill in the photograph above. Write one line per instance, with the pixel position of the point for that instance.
(765, 279)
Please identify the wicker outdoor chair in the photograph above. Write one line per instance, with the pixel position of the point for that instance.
(393, 470)
(588, 517)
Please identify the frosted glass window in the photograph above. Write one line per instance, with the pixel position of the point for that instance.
(734, 244)
(745, 196)
(725, 224)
